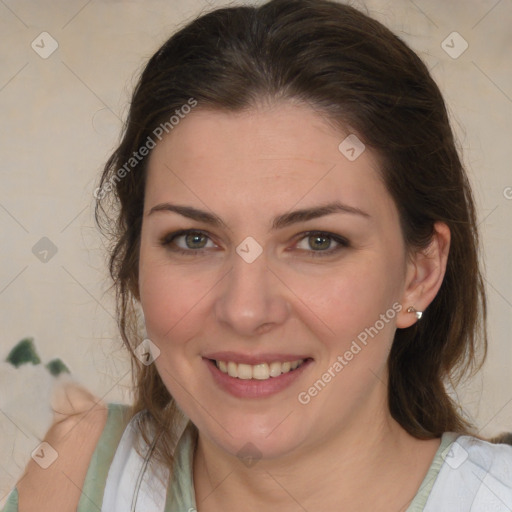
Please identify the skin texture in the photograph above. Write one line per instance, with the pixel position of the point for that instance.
(248, 168)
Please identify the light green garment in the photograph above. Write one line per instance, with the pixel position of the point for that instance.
(180, 495)
(420, 500)
(96, 478)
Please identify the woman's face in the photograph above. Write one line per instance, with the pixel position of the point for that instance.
(266, 278)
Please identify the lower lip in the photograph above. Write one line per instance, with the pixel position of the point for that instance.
(254, 388)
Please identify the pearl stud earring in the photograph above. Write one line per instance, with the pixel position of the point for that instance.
(418, 314)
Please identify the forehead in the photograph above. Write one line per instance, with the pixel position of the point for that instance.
(286, 152)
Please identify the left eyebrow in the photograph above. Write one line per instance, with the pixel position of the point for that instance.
(280, 222)
(312, 213)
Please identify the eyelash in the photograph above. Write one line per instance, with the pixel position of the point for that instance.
(169, 239)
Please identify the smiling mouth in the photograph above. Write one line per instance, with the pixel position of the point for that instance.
(262, 371)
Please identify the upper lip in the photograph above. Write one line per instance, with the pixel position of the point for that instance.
(253, 359)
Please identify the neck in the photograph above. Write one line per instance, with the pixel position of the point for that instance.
(371, 464)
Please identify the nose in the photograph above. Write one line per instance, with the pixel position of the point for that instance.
(251, 299)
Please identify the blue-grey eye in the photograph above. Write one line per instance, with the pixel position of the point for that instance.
(193, 240)
(319, 242)
(316, 242)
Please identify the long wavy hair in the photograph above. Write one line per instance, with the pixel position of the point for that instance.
(358, 75)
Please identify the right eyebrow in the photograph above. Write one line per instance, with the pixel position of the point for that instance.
(189, 212)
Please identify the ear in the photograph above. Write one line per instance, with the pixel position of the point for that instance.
(424, 275)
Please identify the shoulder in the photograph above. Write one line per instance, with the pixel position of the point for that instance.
(488, 456)
(57, 470)
(475, 475)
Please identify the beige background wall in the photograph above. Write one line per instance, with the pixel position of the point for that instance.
(60, 118)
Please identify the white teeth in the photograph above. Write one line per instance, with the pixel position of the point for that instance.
(244, 371)
(275, 369)
(232, 369)
(262, 371)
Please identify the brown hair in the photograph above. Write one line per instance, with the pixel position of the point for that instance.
(358, 75)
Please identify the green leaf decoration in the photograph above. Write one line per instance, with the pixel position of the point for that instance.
(24, 352)
(56, 367)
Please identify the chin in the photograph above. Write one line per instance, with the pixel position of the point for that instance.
(259, 437)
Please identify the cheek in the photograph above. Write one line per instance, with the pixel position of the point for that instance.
(351, 297)
(169, 300)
